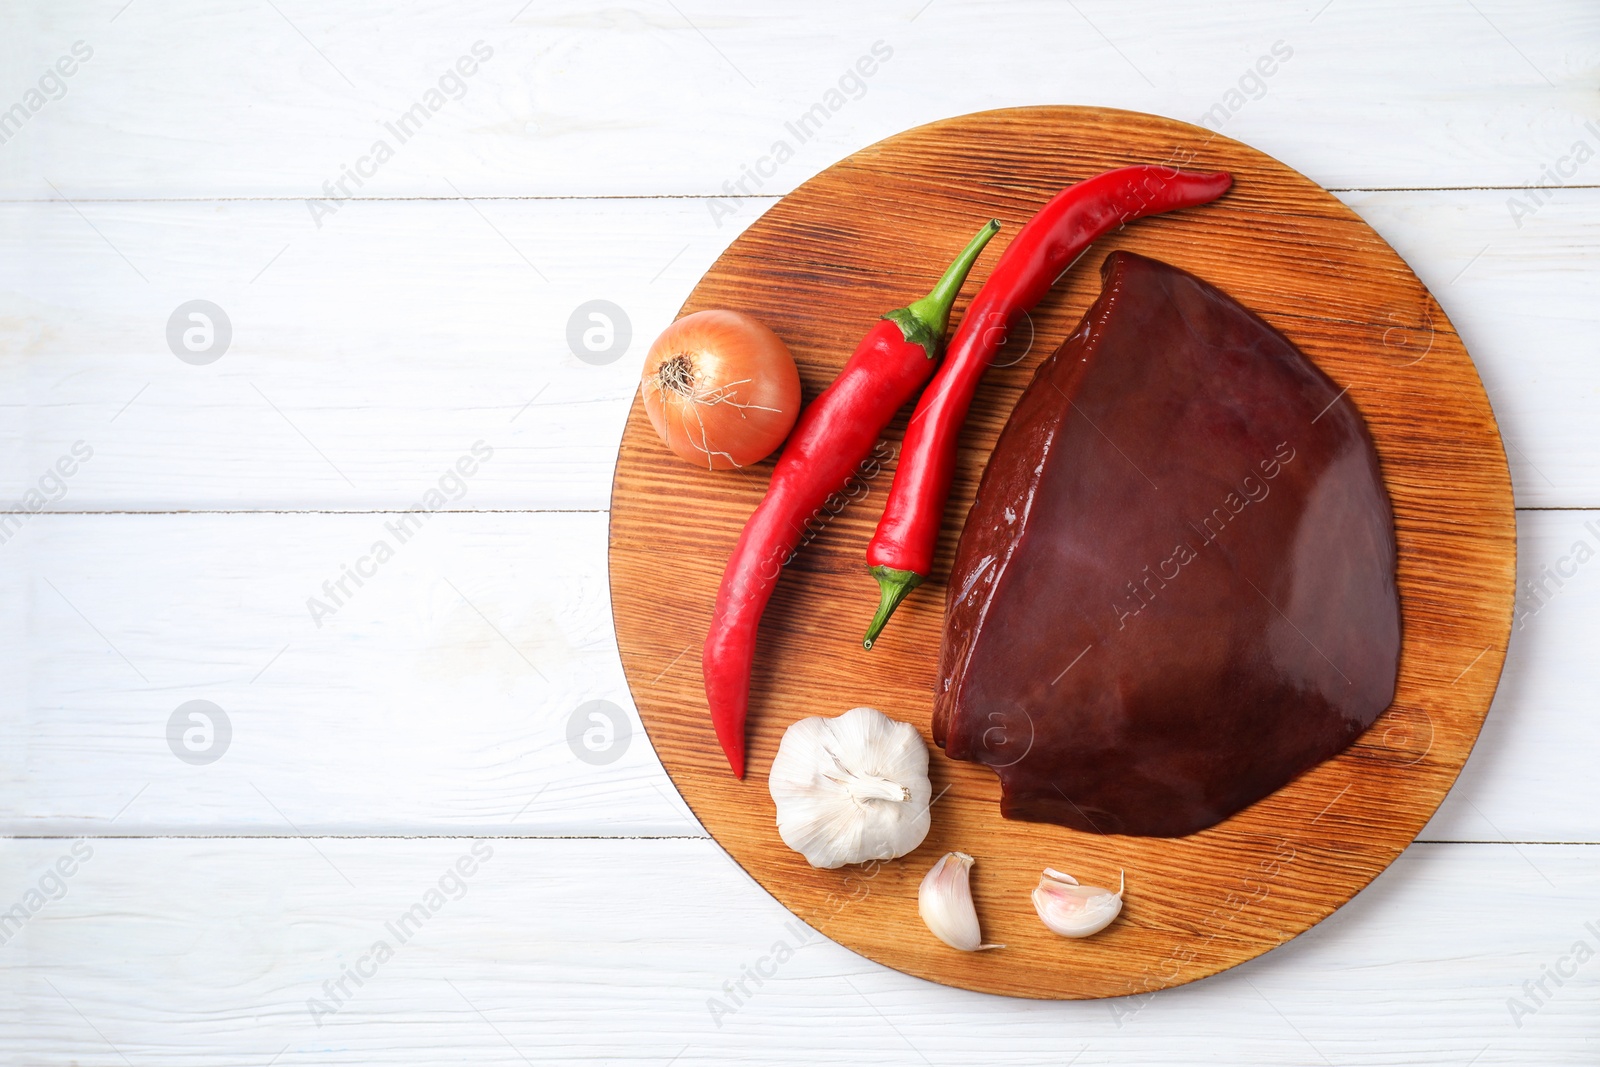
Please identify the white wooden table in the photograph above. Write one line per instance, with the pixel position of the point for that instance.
(183, 893)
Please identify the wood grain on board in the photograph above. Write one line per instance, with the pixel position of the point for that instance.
(871, 233)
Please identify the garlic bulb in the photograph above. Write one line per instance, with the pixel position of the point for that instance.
(1074, 910)
(852, 788)
(944, 900)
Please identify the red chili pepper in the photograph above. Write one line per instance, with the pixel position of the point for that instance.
(900, 554)
(831, 439)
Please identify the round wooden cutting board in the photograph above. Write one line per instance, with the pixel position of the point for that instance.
(872, 233)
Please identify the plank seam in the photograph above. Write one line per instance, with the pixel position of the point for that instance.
(507, 511)
(575, 837)
(666, 196)
(368, 837)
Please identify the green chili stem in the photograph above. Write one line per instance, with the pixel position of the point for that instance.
(894, 585)
(925, 321)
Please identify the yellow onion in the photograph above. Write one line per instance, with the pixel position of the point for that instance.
(721, 389)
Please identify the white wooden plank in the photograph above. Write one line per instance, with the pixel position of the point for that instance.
(406, 712)
(659, 98)
(363, 360)
(1530, 776)
(435, 697)
(576, 952)
(367, 356)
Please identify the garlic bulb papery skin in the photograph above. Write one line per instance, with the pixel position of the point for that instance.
(851, 788)
(944, 900)
(1074, 910)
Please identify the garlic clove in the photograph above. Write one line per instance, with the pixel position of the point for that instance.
(944, 900)
(1074, 910)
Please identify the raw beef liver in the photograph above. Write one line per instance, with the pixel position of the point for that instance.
(1176, 588)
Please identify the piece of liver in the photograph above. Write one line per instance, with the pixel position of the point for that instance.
(1175, 591)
